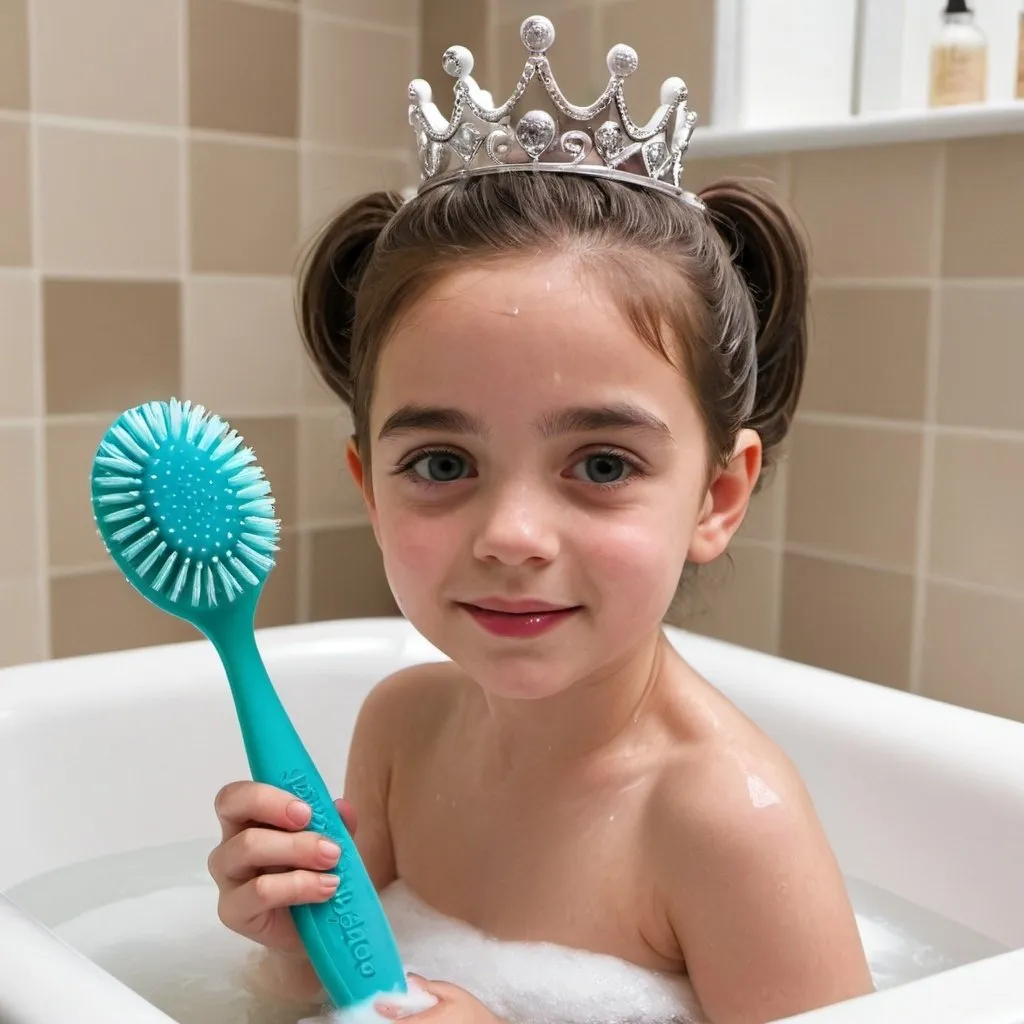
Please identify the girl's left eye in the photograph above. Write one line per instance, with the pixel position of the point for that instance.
(606, 469)
(439, 467)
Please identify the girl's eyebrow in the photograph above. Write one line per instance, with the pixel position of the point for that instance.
(411, 418)
(574, 420)
(616, 416)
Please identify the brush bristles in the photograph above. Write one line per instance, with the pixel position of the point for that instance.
(118, 483)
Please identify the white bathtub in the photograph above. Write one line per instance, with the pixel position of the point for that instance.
(120, 752)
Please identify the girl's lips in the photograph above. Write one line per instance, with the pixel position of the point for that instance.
(517, 606)
(532, 621)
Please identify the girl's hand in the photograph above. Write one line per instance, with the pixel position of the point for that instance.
(454, 1006)
(267, 862)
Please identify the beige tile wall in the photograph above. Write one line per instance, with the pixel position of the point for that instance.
(160, 162)
(160, 165)
(901, 541)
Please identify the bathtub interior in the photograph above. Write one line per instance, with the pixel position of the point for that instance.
(109, 765)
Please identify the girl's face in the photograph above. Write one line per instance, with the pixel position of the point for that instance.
(539, 477)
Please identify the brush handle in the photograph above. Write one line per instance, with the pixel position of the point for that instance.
(348, 939)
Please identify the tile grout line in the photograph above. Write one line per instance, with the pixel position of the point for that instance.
(303, 576)
(360, 522)
(289, 532)
(788, 185)
(39, 358)
(780, 555)
(927, 475)
(857, 422)
(981, 589)
(112, 126)
(891, 283)
(324, 411)
(303, 565)
(844, 558)
(99, 274)
(399, 156)
(300, 9)
(184, 192)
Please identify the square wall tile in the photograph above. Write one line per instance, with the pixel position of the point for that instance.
(101, 611)
(977, 511)
(19, 467)
(580, 71)
(675, 38)
(981, 357)
(14, 87)
(854, 492)
(245, 208)
(108, 58)
(852, 199)
(770, 171)
(857, 331)
(71, 531)
(329, 181)
(244, 68)
(347, 580)
(110, 345)
(960, 623)
(274, 440)
(110, 203)
(394, 13)
(279, 602)
(18, 346)
(315, 393)
(327, 493)
(848, 619)
(984, 216)
(22, 626)
(242, 349)
(15, 196)
(736, 598)
(337, 63)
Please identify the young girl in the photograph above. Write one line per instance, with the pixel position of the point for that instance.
(565, 388)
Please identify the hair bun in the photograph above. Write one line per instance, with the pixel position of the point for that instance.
(329, 280)
(771, 256)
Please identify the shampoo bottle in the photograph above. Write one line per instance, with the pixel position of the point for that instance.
(959, 64)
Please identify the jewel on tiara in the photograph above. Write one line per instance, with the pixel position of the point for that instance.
(481, 138)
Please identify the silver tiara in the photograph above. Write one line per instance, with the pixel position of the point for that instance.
(481, 138)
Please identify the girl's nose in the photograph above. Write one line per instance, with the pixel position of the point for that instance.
(518, 525)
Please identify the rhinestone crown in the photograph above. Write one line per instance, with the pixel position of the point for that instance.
(481, 138)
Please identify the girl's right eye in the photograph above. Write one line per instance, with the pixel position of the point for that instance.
(436, 467)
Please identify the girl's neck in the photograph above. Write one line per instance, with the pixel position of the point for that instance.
(590, 718)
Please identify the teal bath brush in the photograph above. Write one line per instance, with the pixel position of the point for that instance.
(187, 515)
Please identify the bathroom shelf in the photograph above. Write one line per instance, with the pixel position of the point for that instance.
(867, 130)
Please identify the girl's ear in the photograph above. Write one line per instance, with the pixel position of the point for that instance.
(727, 500)
(362, 479)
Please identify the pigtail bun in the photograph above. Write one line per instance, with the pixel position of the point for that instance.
(771, 257)
(329, 279)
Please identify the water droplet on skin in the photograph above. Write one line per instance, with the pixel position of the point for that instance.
(761, 794)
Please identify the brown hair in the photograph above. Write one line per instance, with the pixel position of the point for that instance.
(729, 283)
